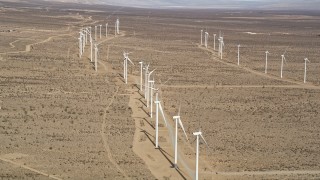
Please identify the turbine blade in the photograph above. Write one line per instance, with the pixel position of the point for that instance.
(179, 109)
(204, 140)
(130, 61)
(181, 125)
(285, 60)
(164, 118)
(165, 81)
(152, 71)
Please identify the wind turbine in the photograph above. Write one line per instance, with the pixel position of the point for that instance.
(89, 33)
(221, 44)
(151, 87)
(219, 50)
(305, 69)
(206, 36)
(283, 58)
(141, 68)
(145, 80)
(201, 36)
(80, 44)
(159, 107)
(96, 56)
(178, 122)
(214, 41)
(148, 87)
(199, 133)
(238, 54)
(86, 31)
(83, 40)
(100, 30)
(266, 67)
(95, 33)
(117, 26)
(106, 29)
(125, 66)
(91, 47)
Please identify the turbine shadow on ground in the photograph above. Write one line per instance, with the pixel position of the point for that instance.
(144, 104)
(151, 125)
(144, 111)
(165, 154)
(148, 136)
(139, 92)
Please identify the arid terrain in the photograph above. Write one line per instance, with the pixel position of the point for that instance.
(59, 119)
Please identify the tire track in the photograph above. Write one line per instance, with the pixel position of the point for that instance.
(104, 124)
(28, 46)
(104, 138)
(30, 168)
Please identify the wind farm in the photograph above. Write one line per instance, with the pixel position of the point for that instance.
(86, 98)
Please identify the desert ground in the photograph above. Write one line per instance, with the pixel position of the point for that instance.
(60, 119)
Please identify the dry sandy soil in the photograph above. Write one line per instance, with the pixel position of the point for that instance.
(60, 119)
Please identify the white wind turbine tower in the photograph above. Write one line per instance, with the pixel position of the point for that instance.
(86, 31)
(91, 48)
(221, 44)
(106, 29)
(151, 88)
(238, 54)
(145, 80)
(117, 26)
(178, 122)
(157, 92)
(83, 41)
(199, 133)
(141, 69)
(266, 67)
(148, 87)
(80, 44)
(201, 36)
(95, 33)
(206, 36)
(158, 89)
(305, 69)
(96, 56)
(283, 59)
(125, 66)
(214, 42)
(100, 30)
(86, 34)
(159, 107)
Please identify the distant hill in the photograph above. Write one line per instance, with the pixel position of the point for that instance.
(234, 4)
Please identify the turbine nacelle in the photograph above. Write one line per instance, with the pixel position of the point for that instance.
(176, 117)
(197, 133)
(306, 59)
